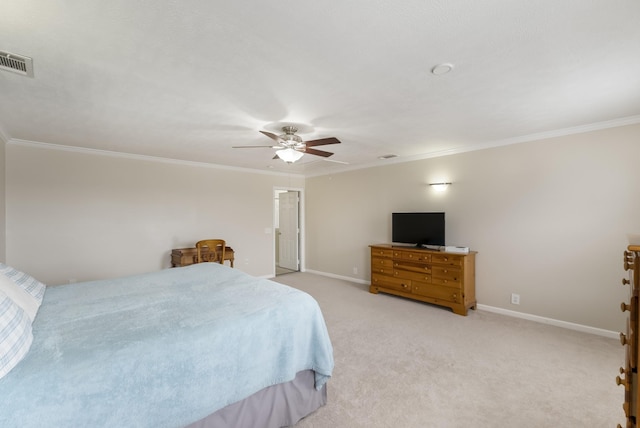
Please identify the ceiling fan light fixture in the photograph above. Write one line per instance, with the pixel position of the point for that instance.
(289, 155)
(292, 147)
(291, 139)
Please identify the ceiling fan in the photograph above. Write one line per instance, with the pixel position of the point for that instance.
(292, 148)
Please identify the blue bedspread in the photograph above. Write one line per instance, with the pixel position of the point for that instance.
(162, 349)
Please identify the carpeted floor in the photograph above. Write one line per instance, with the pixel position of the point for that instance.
(283, 271)
(406, 364)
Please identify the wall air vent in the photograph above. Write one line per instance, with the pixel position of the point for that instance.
(16, 63)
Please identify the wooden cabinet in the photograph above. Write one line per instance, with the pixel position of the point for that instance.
(631, 339)
(444, 279)
(187, 256)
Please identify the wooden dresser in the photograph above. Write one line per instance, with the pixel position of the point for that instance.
(631, 340)
(187, 256)
(445, 279)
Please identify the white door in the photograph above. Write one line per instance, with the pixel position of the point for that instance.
(289, 232)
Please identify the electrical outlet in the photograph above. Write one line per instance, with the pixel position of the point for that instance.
(515, 299)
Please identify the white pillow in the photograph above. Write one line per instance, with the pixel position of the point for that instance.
(26, 301)
(26, 282)
(15, 334)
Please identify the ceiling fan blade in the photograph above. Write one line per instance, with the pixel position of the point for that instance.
(322, 142)
(271, 135)
(253, 147)
(317, 152)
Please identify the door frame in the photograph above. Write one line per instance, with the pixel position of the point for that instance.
(301, 226)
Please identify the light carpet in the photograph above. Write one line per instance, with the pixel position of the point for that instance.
(400, 363)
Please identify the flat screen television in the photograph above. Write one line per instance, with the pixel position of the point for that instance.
(420, 229)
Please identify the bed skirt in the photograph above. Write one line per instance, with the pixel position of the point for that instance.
(277, 406)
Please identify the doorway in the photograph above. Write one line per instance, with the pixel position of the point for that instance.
(287, 231)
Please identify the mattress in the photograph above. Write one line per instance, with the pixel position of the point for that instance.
(163, 349)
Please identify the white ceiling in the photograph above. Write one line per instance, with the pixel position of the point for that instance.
(188, 80)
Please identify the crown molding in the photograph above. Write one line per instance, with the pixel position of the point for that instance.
(630, 120)
(581, 129)
(540, 136)
(98, 152)
(614, 123)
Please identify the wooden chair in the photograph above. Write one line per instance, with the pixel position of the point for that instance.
(216, 250)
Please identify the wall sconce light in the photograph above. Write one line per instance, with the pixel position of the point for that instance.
(439, 187)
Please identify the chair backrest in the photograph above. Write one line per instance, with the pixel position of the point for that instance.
(216, 250)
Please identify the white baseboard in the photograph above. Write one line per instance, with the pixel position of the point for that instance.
(551, 321)
(344, 278)
(507, 312)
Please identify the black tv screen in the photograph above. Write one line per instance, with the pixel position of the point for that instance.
(417, 228)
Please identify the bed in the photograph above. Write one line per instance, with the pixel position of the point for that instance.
(198, 346)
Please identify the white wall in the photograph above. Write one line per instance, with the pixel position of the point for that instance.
(79, 216)
(549, 219)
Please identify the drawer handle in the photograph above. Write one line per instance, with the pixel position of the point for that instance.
(622, 381)
(404, 285)
(445, 271)
(624, 307)
(625, 281)
(623, 339)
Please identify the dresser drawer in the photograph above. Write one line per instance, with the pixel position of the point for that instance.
(412, 255)
(446, 272)
(413, 267)
(448, 294)
(382, 270)
(447, 259)
(446, 281)
(391, 282)
(406, 274)
(377, 262)
(381, 252)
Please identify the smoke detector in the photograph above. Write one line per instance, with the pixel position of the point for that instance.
(16, 63)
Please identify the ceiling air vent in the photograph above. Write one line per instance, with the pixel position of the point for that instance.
(16, 63)
(387, 156)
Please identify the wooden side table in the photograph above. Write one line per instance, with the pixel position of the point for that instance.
(187, 256)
